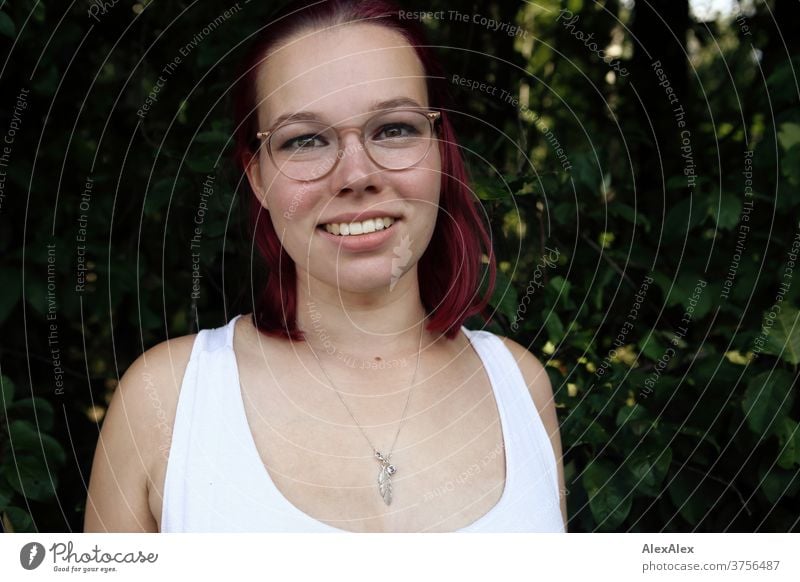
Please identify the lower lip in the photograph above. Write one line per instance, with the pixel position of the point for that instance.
(361, 242)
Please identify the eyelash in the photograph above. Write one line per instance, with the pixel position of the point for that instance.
(307, 137)
(311, 137)
(403, 126)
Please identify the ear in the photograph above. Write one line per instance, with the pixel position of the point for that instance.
(251, 162)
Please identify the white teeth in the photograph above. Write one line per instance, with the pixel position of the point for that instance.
(356, 228)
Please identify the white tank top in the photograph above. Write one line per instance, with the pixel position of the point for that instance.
(216, 481)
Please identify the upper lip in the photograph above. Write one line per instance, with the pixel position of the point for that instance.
(358, 216)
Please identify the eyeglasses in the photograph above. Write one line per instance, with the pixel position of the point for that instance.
(394, 139)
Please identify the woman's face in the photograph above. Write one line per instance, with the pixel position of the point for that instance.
(342, 76)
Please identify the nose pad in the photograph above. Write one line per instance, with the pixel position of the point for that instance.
(355, 169)
(350, 146)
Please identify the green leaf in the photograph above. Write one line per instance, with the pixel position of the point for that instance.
(6, 391)
(683, 217)
(609, 499)
(559, 290)
(26, 439)
(725, 210)
(20, 521)
(768, 398)
(214, 137)
(31, 477)
(6, 494)
(10, 291)
(690, 492)
(789, 135)
(688, 291)
(25, 409)
(635, 417)
(778, 483)
(790, 170)
(789, 442)
(487, 189)
(7, 25)
(565, 213)
(784, 335)
(555, 329)
(627, 213)
(608, 274)
(653, 349)
(504, 296)
(694, 433)
(202, 164)
(580, 429)
(649, 465)
(161, 193)
(47, 81)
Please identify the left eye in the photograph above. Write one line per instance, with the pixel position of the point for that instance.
(394, 131)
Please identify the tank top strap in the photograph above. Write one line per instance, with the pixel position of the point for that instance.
(500, 364)
(513, 398)
(219, 337)
(515, 404)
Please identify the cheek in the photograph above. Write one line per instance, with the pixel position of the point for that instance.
(434, 174)
(289, 200)
(432, 184)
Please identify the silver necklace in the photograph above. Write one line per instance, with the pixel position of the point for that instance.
(387, 469)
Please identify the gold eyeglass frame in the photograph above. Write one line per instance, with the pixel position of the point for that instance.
(433, 117)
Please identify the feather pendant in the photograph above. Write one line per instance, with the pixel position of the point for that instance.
(385, 485)
(385, 478)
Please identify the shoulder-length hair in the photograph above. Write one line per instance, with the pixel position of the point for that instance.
(450, 270)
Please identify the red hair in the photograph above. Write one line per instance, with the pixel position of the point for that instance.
(449, 271)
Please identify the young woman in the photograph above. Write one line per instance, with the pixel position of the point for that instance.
(352, 398)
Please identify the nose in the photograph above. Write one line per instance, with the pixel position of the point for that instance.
(355, 171)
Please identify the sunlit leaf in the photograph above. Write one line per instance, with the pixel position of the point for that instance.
(725, 209)
(789, 135)
(784, 335)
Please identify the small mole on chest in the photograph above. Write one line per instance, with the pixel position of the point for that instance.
(377, 358)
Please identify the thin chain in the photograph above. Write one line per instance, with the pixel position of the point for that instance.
(408, 398)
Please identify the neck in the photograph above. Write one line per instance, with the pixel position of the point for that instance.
(373, 326)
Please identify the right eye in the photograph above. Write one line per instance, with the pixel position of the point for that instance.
(304, 142)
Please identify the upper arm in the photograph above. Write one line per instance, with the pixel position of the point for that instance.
(541, 391)
(136, 429)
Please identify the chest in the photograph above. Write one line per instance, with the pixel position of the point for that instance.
(316, 442)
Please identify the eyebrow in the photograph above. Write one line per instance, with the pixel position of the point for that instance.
(312, 116)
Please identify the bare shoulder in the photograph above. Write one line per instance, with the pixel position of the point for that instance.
(147, 395)
(165, 363)
(135, 437)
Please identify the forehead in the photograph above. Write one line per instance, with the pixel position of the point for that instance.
(339, 73)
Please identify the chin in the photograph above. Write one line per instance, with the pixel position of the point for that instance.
(363, 281)
(370, 284)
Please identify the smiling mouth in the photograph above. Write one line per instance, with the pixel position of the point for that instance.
(358, 228)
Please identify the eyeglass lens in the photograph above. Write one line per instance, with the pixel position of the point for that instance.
(395, 140)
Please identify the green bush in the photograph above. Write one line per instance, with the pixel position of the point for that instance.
(654, 286)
